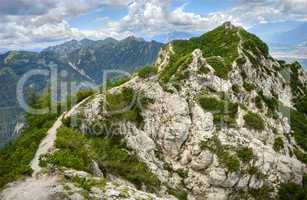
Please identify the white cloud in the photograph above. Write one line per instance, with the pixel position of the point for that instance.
(40, 23)
(28, 24)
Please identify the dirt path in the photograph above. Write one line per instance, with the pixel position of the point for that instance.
(38, 187)
(47, 144)
(32, 189)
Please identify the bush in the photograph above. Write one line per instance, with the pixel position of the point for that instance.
(178, 193)
(235, 88)
(270, 102)
(298, 122)
(300, 155)
(117, 82)
(218, 106)
(254, 121)
(245, 154)
(301, 105)
(230, 161)
(126, 105)
(146, 71)
(265, 192)
(292, 191)
(221, 69)
(76, 150)
(172, 68)
(258, 102)
(84, 93)
(278, 144)
(248, 86)
(224, 111)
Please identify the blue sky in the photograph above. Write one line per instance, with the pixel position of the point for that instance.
(36, 24)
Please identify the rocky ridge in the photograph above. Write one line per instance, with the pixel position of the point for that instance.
(211, 120)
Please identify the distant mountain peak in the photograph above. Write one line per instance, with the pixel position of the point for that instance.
(133, 38)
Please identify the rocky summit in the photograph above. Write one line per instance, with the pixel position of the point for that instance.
(216, 117)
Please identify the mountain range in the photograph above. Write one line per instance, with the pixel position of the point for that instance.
(83, 61)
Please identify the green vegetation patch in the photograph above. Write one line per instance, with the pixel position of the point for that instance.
(258, 102)
(84, 93)
(117, 82)
(173, 67)
(300, 155)
(253, 43)
(254, 121)
(125, 105)
(218, 64)
(147, 71)
(293, 191)
(76, 150)
(16, 156)
(230, 161)
(245, 154)
(221, 42)
(298, 123)
(248, 86)
(235, 88)
(278, 144)
(224, 111)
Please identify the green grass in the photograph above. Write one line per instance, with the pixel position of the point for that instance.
(147, 71)
(245, 154)
(253, 43)
(235, 88)
(117, 82)
(16, 156)
(292, 191)
(178, 193)
(298, 123)
(224, 112)
(84, 93)
(218, 42)
(174, 66)
(248, 86)
(278, 144)
(258, 102)
(254, 121)
(76, 150)
(126, 105)
(218, 64)
(230, 161)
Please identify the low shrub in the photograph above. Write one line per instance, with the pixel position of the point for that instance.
(231, 162)
(245, 154)
(126, 105)
(76, 150)
(146, 71)
(258, 102)
(172, 68)
(248, 86)
(218, 64)
(278, 144)
(298, 123)
(84, 93)
(228, 160)
(117, 82)
(254, 121)
(264, 192)
(300, 155)
(235, 88)
(178, 193)
(292, 191)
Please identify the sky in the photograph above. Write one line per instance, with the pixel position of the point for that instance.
(36, 24)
